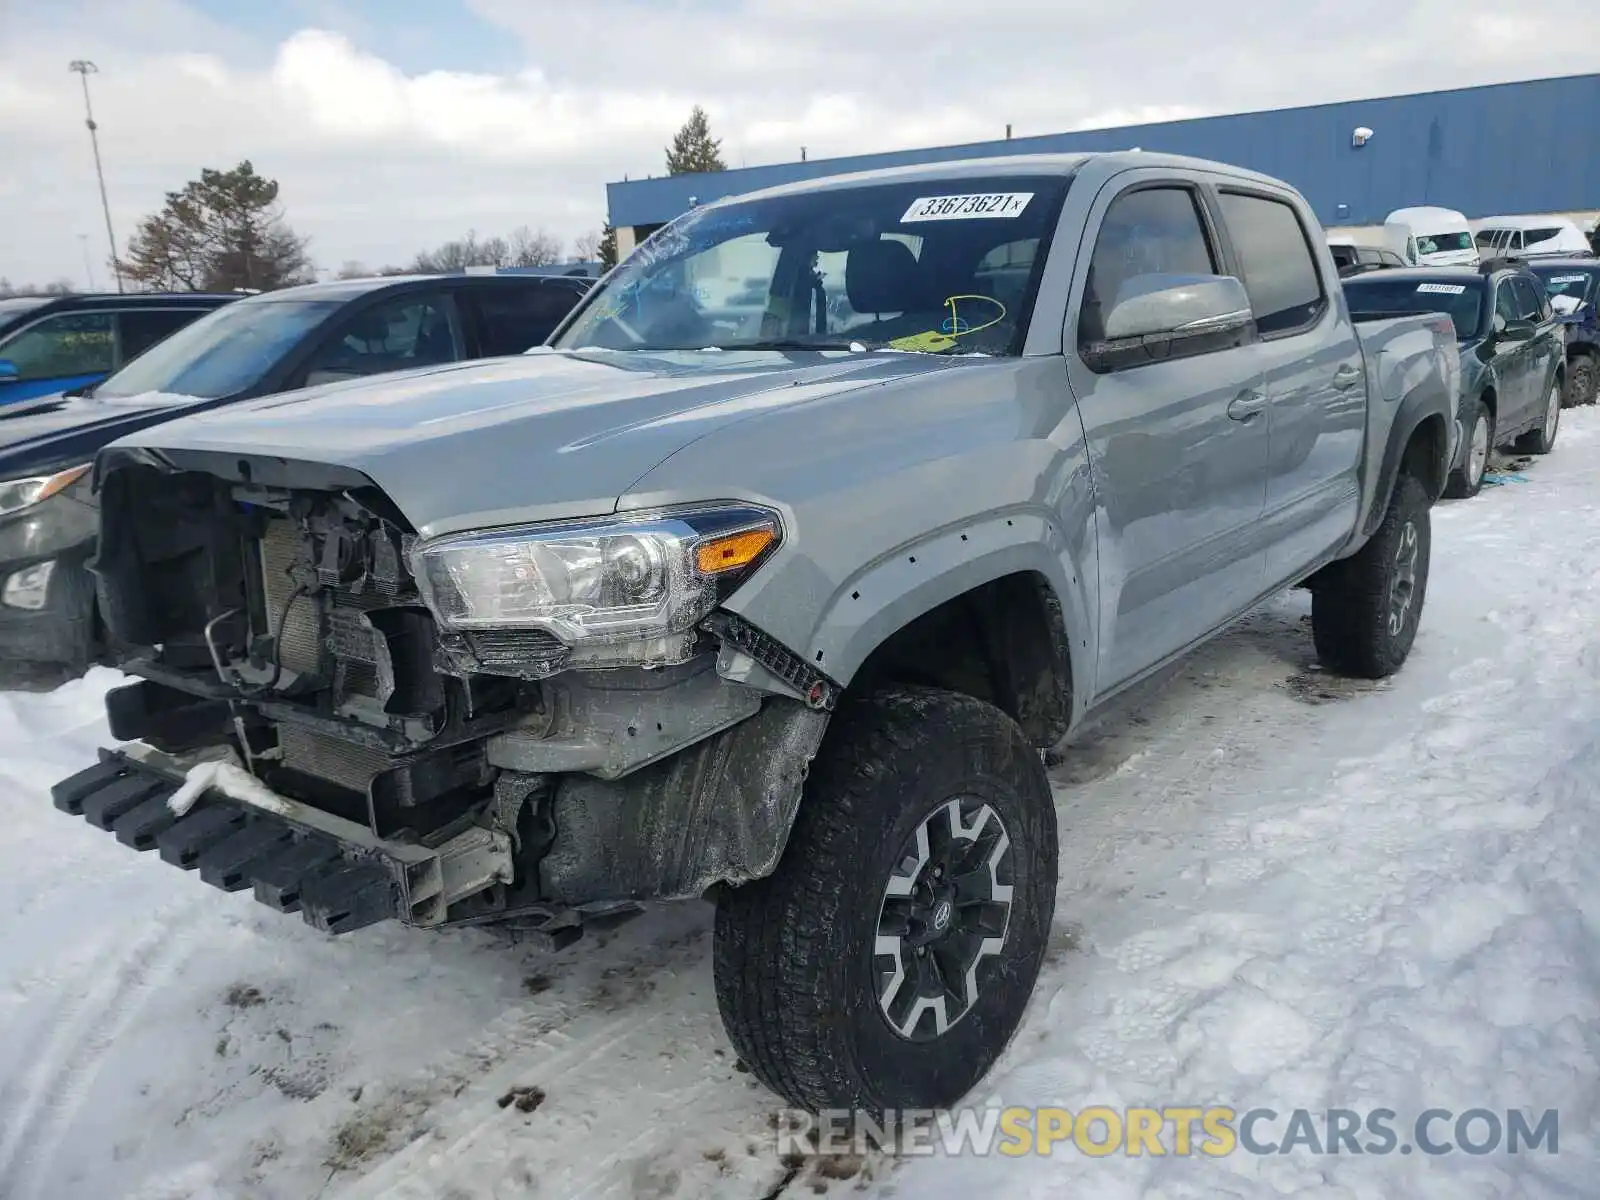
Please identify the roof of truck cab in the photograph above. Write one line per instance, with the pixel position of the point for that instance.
(998, 167)
(1564, 263)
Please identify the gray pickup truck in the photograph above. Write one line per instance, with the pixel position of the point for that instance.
(776, 605)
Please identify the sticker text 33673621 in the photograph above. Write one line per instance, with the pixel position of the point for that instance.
(967, 208)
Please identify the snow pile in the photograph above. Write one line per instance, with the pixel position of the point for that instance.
(1279, 890)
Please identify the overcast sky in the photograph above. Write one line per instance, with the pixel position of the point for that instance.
(394, 125)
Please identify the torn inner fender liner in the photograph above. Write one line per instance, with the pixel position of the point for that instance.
(718, 812)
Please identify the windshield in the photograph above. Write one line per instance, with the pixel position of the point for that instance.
(223, 352)
(940, 266)
(1461, 302)
(1443, 243)
(1567, 283)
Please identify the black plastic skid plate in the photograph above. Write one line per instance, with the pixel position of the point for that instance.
(233, 846)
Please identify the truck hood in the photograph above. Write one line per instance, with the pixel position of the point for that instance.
(541, 436)
(58, 431)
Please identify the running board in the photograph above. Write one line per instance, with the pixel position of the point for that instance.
(336, 874)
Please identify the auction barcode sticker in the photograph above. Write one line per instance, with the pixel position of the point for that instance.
(1442, 289)
(1566, 279)
(967, 208)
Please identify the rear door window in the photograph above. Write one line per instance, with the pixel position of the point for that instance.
(1280, 272)
(513, 319)
(62, 346)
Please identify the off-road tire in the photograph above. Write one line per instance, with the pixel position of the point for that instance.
(1351, 609)
(1466, 481)
(1542, 440)
(1583, 378)
(796, 978)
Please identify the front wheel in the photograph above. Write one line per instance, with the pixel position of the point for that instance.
(1543, 439)
(1365, 616)
(889, 959)
(1466, 481)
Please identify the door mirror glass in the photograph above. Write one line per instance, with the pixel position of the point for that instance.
(1517, 330)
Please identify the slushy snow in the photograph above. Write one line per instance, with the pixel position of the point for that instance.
(1279, 890)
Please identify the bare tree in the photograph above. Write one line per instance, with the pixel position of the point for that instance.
(587, 247)
(532, 248)
(353, 270)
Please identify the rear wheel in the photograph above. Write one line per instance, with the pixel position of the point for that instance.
(1467, 479)
(1543, 439)
(1364, 617)
(890, 957)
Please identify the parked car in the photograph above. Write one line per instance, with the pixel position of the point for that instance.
(1512, 360)
(1353, 259)
(781, 617)
(1529, 237)
(1431, 237)
(57, 343)
(257, 346)
(1573, 288)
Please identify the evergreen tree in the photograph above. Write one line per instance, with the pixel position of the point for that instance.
(694, 149)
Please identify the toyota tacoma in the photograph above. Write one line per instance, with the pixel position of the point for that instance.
(774, 604)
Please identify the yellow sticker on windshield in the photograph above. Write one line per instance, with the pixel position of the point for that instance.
(930, 342)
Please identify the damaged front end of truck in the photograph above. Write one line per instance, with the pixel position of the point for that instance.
(359, 724)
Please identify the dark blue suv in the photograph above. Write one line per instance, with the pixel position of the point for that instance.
(259, 346)
(57, 343)
(1573, 286)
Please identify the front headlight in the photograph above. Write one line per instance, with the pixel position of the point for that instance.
(637, 577)
(18, 494)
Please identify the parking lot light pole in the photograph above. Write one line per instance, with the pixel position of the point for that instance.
(85, 68)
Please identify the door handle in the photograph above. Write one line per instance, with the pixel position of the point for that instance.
(1246, 405)
(1346, 377)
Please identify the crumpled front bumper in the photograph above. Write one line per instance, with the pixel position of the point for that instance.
(335, 883)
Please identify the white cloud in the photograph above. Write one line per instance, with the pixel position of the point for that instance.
(377, 163)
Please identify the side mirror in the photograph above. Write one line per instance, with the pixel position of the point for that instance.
(1518, 331)
(1161, 316)
(8, 371)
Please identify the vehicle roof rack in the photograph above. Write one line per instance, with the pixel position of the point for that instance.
(1502, 262)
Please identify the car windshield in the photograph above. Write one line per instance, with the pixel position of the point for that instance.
(1462, 302)
(225, 351)
(1443, 243)
(1566, 283)
(938, 266)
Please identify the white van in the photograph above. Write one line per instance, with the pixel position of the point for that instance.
(1529, 237)
(1432, 237)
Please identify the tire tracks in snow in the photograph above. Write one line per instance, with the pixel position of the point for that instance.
(39, 1103)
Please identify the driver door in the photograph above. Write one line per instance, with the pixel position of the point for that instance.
(1178, 447)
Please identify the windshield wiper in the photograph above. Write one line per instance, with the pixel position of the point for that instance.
(793, 344)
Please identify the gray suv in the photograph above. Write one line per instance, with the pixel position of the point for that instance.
(775, 603)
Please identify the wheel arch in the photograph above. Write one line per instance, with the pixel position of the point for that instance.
(1005, 641)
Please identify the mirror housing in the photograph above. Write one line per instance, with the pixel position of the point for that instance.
(1160, 316)
(1518, 331)
(8, 371)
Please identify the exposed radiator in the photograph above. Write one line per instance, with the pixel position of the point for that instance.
(344, 763)
(301, 644)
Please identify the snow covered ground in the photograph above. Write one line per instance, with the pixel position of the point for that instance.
(1278, 890)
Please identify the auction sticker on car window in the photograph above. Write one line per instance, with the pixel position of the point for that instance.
(1442, 289)
(1566, 279)
(967, 208)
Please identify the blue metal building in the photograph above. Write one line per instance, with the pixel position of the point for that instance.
(1525, 147)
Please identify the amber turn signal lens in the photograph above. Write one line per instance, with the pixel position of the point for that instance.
(61, 481)
(731, 551)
